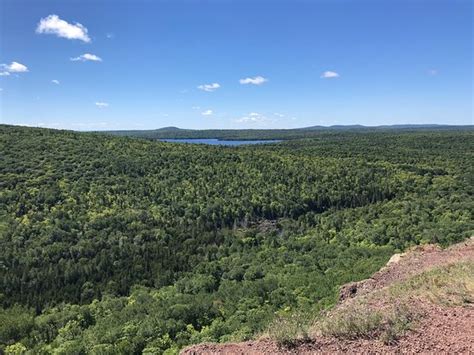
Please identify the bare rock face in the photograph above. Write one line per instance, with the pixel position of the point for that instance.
(403, 265)
(395, 259)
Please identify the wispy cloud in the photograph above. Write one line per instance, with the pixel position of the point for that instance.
(258, 80)
(209, 87)
(13, 67)
(329, 75)
(207, 113)
(54, 81)
(102, 104)
(433, 72)
(54, 25)
(253, 117)
(29, 124)
(87, 57)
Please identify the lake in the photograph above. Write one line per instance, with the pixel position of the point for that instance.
(215, 141)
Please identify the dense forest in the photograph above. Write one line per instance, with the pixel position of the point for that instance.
(123, 245)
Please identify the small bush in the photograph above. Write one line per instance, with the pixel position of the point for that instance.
(397, 323)
(361, 321)
(354, 322)
(289, 329)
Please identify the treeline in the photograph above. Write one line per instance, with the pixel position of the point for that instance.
(282, 134)
(121, 245)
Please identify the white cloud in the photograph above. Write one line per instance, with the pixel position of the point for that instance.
(207, 113)
(432, 72)
(110, 35)
(55, 81)
(102, 104)
(54, 25)
(329, 75)
(258, 80)
(209, 87)
(253, 117)
(196, 107)
(16, 67)
(13, 67)
(27, 124)
(279, 114)
(87, 57)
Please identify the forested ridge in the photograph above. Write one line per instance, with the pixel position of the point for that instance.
(123, 245)
(284, 134)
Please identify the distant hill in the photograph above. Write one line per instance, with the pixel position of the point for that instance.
(396, 126)
(283, 134)
(345, 127)
(168, 129)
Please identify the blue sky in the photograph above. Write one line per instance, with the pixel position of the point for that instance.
(277, 64)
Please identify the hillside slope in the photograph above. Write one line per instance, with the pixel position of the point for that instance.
(421, 301)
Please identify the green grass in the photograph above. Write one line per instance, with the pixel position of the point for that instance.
(451, 285)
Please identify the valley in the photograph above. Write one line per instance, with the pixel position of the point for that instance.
(126, 245)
